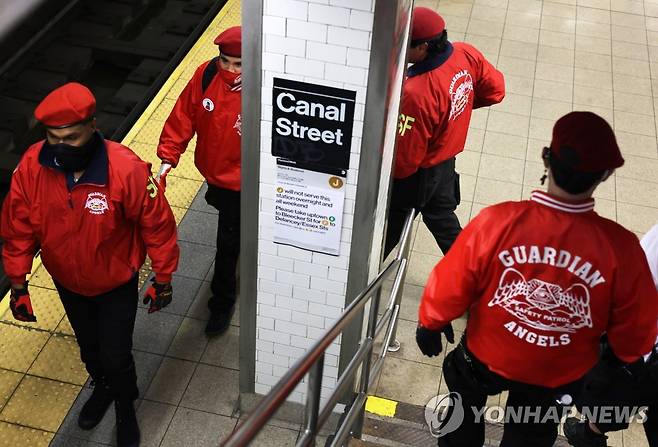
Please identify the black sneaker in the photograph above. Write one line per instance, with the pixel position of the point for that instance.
(127, 427)
(579, 434)
(219, 322)
(94, 409)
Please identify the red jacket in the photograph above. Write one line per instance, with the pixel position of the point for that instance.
(93, 234)
(542, 280)
(437, 100)
(215, 117)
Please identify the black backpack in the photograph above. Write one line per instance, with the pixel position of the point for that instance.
(209, 74)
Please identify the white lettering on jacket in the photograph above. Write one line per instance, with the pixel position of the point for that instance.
(549, 341)
(533, 254)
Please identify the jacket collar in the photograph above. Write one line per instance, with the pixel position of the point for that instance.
(550, 201)
(431, 62)
(96, 172)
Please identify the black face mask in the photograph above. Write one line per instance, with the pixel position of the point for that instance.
(73, 158)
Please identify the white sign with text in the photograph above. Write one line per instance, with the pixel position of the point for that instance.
(308, 209)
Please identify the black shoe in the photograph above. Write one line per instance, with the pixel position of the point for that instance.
(219, 321)
(579, 434)
(94, 409)
(127, 428)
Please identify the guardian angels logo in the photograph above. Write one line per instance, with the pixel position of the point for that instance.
(208, 104)
(543, 305)
(460, 91)
(96, 203)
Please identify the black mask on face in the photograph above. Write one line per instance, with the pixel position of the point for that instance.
(74, 158)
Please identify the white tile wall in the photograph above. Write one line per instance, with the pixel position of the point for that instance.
(300, 293)
(330, 15)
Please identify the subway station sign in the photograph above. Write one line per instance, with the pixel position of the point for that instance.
(312, 124)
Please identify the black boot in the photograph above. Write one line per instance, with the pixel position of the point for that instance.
(219, 321)
(579, 434)
(94, 409)
(127, 428)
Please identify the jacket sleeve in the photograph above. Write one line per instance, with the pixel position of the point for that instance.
(634, 312)
(490, 82)
(147, 205)
(179, 128)
(453, 284)
(415, 125)
(19, 240)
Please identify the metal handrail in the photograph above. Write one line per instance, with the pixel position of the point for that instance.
(312, 362)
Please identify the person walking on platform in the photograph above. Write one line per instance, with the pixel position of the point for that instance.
(445, 83)
(609, 384)
(210, 107)
(92, 208)
(542, 280)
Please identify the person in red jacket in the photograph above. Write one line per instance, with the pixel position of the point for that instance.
(542, 280)
(93, 210)
(210, 107)
(443, 86)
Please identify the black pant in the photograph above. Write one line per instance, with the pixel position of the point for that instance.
(466, 375)
(223, 285)
(611, 386)
(434, 192)
(103, 325)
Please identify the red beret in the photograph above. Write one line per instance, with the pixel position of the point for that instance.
(585, 142)
(229, 41)
(66, 106)
(426, 24)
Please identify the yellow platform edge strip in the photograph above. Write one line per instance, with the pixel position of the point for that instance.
(381, 407)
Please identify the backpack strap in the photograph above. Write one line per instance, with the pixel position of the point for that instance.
(209, 74)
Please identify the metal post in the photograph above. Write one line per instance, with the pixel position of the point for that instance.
(364, 383)
(313, 396)
(403, 253)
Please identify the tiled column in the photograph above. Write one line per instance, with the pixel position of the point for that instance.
(300, 293)
(295, 294)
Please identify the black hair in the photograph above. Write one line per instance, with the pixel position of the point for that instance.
(435, 45)
(569, 179)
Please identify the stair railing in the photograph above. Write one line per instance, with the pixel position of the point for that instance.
(312, 362)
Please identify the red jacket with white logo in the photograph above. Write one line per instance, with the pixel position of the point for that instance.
(543, 280)
(437, 100)
(93, 234)
(215, 117)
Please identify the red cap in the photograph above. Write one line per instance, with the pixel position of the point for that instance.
(66, 106)
(426, 24)
(229, 41)
(585, 142)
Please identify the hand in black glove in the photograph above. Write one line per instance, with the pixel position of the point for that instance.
(21, 305)
(429, 341)
(159, 295)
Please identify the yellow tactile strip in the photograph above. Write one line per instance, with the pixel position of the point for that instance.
(380, 406)
(40, 369)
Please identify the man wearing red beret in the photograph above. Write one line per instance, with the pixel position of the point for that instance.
(543, 279)
(210, 107)
(443, 86)
(92, 208)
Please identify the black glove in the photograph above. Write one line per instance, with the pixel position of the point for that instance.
(429, 341)
(159, 295)
(21, 305)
